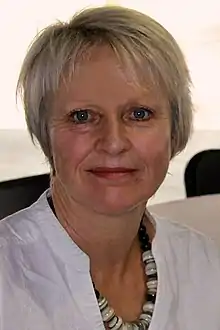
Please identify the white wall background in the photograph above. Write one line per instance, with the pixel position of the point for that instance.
(20, 20)
(195, 24)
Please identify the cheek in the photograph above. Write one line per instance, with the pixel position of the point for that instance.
(69, 151)
(155, 149)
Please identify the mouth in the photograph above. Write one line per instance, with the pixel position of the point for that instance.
(112, 173)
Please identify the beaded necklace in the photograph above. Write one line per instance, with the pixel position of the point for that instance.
(110, 319)
(114, 322)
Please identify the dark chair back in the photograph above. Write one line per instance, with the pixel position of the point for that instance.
(202, 174)
(20, 193)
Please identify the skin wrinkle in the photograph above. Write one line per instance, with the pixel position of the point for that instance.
(101, 214)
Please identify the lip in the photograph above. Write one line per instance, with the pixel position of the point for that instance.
(112, 173)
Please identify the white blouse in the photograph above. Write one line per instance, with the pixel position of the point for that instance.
(45, 281)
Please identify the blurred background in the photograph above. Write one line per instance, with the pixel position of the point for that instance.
(194, 24)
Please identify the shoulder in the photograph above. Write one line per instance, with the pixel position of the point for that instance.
(189, 264)
(22, 241)
(22, 227)
(191, 248)
(181, 231)
(189, 244)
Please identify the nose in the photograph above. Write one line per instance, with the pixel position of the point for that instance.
(114, 138)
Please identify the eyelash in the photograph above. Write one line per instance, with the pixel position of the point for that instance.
(95, 116)
(75, 112)
(146, 109)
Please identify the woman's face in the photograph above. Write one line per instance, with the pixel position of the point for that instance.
(110, 138)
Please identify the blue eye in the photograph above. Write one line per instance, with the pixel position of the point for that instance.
(141, 114)
(81, 116)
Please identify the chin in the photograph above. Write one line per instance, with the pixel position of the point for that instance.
(115, 206)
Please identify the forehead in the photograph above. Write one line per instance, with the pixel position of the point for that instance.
(101, 75)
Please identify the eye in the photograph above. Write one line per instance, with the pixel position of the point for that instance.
(141, 114)
(81, 116)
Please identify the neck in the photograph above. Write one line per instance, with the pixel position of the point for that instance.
(108, 240)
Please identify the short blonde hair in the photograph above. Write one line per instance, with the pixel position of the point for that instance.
(138, 40)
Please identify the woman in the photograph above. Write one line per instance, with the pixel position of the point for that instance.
(107, 96)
